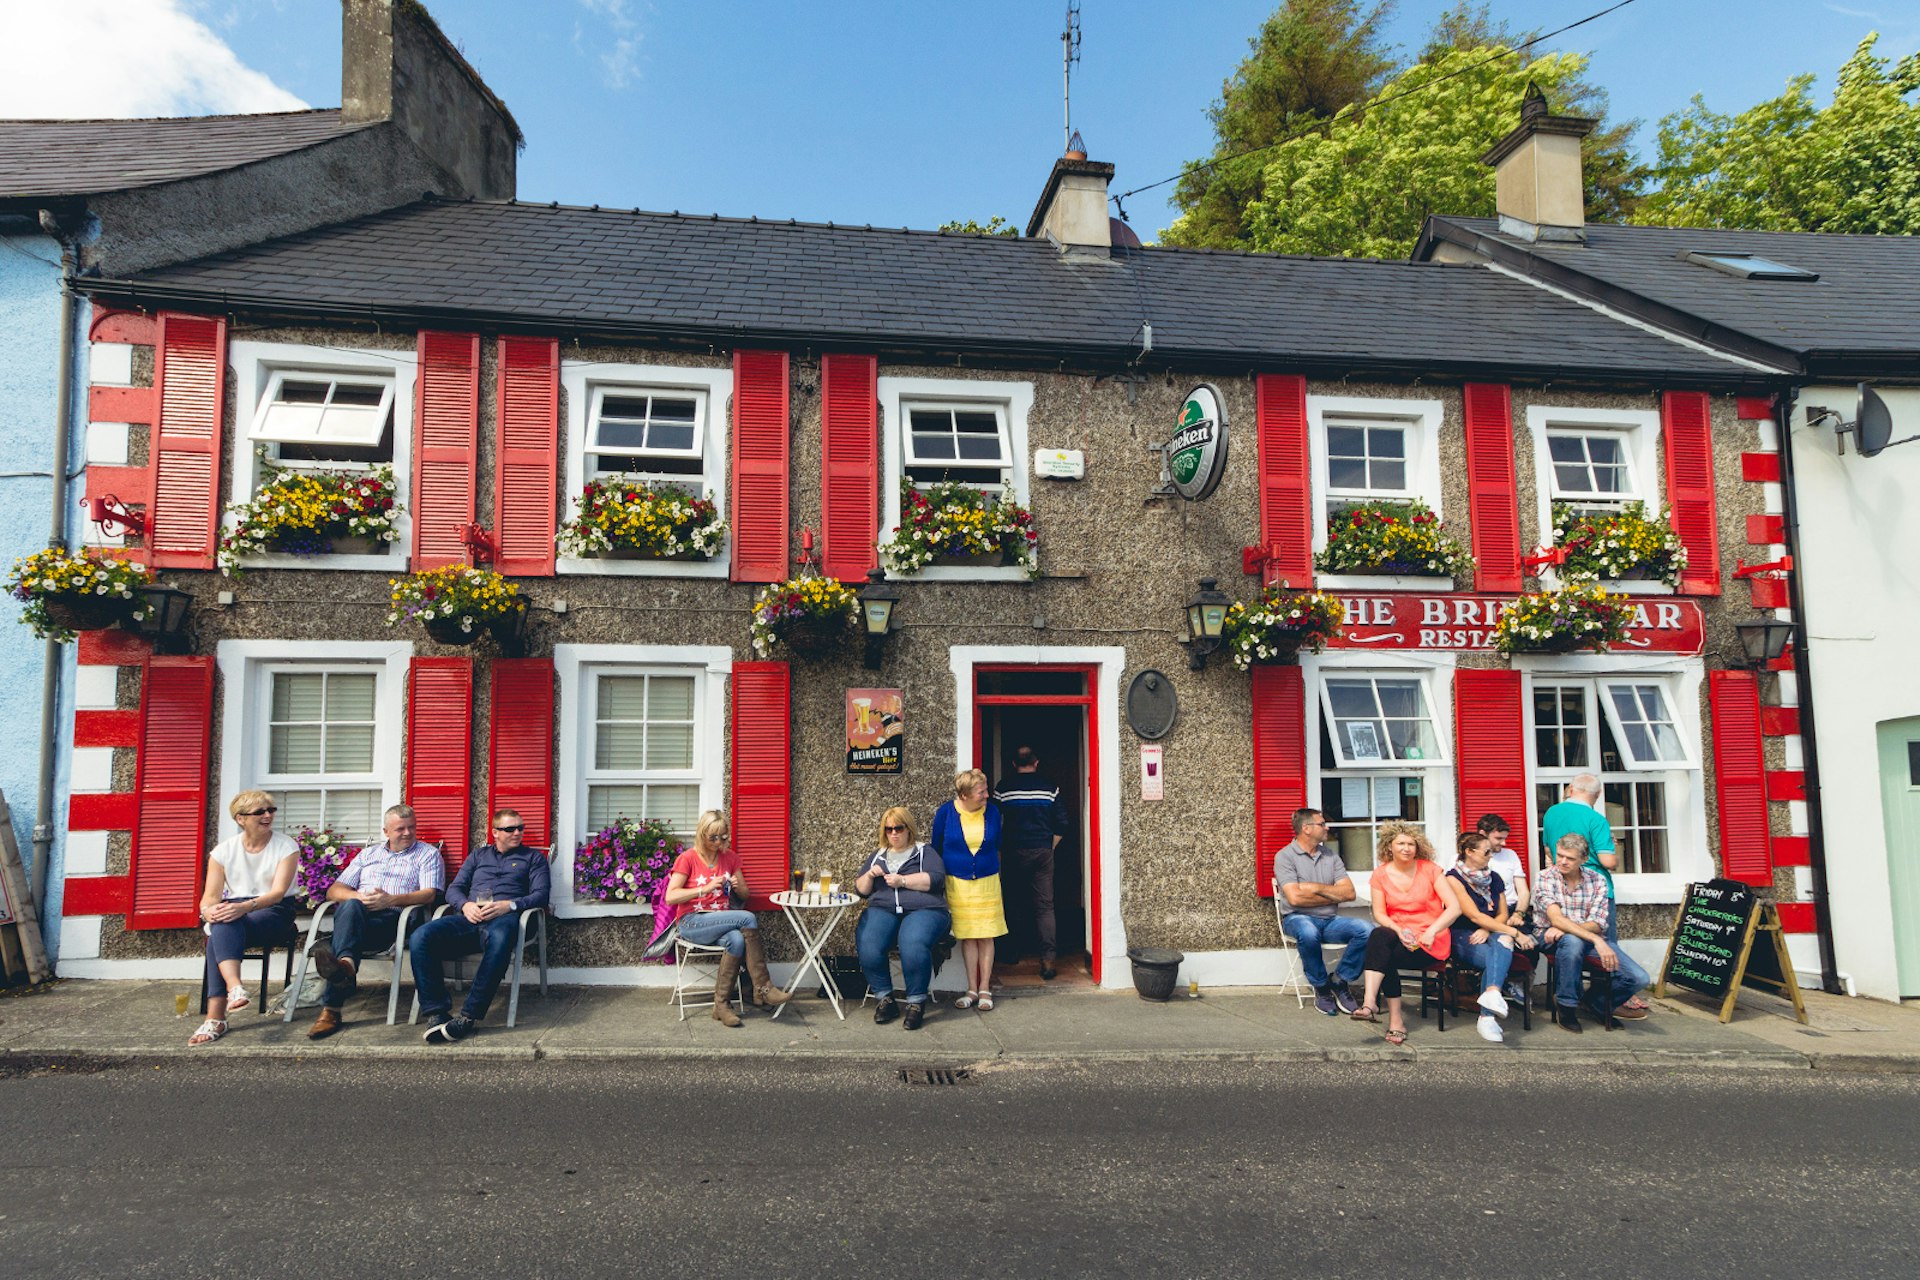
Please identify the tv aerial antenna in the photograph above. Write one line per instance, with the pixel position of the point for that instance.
(1069, 54)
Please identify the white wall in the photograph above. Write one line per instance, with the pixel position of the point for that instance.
(1860, 578)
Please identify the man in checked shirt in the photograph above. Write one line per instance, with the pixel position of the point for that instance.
(385, 878)
(1570, 903)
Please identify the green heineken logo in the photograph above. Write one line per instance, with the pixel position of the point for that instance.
(1197, 453)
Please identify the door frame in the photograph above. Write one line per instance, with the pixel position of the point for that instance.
(1106, 935)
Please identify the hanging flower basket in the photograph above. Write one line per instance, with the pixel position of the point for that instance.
(323, 856)
(808, 614)
(458, 604)
(1274, 628)
(625, 518)
(312, 513)
(624, 861)
(1577, 616)
(456, 631)
(66, 592)
(1622, 546)
(950, 523)
(1399, 538)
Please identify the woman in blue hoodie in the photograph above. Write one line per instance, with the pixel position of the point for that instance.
(966, 835)
(904, 883)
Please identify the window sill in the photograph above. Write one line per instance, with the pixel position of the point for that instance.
(1643, 890)
(594, 567)
(1377, 583)
(394, 562)
(1619, 587)
(962, 573)
(566, 910)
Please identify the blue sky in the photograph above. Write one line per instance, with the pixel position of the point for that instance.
(914, 113)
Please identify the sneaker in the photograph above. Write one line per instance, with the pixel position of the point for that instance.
(886, 1011)
(435, 1021)
(1493, 1002)
(1323, 1001)
(1515, 992)
(1489, 1028)
(1343, 998)
(450, 1031)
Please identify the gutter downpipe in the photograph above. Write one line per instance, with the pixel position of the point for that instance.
(51, 659)
(1810, 754)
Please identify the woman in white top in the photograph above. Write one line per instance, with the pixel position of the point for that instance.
(248, 901)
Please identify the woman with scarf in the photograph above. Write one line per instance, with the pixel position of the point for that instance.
(1482, 937)
(966, 835)
(905, 885)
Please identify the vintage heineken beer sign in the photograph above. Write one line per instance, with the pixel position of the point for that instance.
(1197, 453)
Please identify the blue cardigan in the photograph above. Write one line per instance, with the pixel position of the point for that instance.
(950, 842)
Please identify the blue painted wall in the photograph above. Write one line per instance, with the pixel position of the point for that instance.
(29, 389)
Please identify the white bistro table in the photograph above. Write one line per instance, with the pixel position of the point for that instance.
(814, 916)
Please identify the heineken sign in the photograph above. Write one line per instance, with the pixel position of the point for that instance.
(1197, 453)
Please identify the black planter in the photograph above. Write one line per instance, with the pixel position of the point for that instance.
(448, 631)
(1155, 971)
(812, 636)
(86, 612)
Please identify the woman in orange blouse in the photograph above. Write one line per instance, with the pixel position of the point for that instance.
(1411, 912)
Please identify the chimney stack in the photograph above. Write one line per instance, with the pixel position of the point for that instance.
(1073, 208)
(1539, 189)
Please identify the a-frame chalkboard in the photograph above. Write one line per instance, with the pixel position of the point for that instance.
(1713, 951)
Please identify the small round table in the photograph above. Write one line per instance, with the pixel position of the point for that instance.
(814, 916)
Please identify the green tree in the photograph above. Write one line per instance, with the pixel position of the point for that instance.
(1786, 165)
(1311, 59)
(1363, 186)
(997, 226)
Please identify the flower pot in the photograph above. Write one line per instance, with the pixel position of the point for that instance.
(449, 631)
(347, 545)
(87, 612)
(1557, 644)
(975, 559)
(1155, 971)
(811, 636)
(1283, 649)
(640, 553)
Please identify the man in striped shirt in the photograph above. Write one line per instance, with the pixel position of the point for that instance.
(1032, 822)
(383, 879)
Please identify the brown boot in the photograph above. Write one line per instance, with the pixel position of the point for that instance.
(765, 994)
(723, 992)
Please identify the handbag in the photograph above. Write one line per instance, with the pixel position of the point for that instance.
(662, 943)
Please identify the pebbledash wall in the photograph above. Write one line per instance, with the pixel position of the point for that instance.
(457, 731)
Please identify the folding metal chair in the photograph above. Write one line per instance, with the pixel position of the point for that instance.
(539, 936)
(397, 953)
(696, 971)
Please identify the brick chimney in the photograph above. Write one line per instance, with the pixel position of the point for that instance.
(1073, 208)
(395, 64)
(1539, 189)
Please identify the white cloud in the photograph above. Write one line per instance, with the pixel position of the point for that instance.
(618, 46)
(83, 59)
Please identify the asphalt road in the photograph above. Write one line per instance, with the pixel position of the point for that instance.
(682, 1170)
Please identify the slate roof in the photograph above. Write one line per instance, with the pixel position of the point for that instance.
(1862, 311)
(50, 158)
(643, 275)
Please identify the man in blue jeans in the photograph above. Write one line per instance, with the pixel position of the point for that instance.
(1571, 901)
(495, 884)
(1311, 883)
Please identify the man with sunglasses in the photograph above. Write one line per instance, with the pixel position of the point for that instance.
(495, 884)
(394, 873)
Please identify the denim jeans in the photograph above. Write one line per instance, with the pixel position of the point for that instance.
(231, 940)
(1492, 957)
(1310, 933)
(914, 933)
(719, 928)
(1571, 952)
(356, 931)
(454, 935)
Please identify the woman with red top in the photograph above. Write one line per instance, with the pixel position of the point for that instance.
(1411, 912)
(705, 881)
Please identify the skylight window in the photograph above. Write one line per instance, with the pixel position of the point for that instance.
(1749, 266)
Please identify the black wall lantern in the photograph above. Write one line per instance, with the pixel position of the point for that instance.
(877, 599)
(164, 611)
(1762, 641)
(1206, 621)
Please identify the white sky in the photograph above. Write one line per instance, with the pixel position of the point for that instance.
(92, 59)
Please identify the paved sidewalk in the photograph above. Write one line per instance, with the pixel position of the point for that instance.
(136, 1019)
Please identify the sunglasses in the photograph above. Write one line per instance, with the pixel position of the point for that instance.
(891, 830)
(520, 827)
(255, 813)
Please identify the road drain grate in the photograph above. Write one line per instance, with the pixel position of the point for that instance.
(935, 1075)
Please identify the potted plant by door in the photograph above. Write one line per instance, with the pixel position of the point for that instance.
(622, 517)
(1274, 628)
(67, 592)
(458, 604)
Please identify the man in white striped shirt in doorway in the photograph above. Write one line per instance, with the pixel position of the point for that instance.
(1032, 822)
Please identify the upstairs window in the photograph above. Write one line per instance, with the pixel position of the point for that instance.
(647, 432)
(1367, 459)
(310, 417)
(1591, 468)
(964, 443)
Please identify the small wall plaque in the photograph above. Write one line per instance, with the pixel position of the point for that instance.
(1059, 464)
(1151, 705)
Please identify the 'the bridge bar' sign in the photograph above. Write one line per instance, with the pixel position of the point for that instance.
(1455, 621)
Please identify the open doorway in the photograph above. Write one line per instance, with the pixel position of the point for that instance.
(1047, 709)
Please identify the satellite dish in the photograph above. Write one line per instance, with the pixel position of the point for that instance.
(1872, 422)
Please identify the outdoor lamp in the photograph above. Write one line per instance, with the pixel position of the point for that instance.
(1763, 639)
(165, 610)
(877, 599)
(1206, 620)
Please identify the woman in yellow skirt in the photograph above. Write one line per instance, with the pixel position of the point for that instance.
(966, 835)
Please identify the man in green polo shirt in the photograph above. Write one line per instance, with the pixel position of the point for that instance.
(1579, 814)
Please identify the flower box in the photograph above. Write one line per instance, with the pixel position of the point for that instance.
(1274, 628)
(1622, 546)
(87, 612)
(622, 517)
(1391, 539)
(312, 513)
(1579, 615)
(955, 525)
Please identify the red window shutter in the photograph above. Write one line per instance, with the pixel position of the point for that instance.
(759, 466)
(762, 769)
(168, 864)
(440, 752)
(1492, 489)
(190, 368)
(1286, 485)
(850, 466)
(1740, 777)
(520, 744)
(527, 457)
(1490, 742)
(446, 437)
(1687, 430)
(1279, 764)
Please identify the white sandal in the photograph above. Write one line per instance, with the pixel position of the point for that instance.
(967, 1001)
(237, 999)
(210, 1030)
